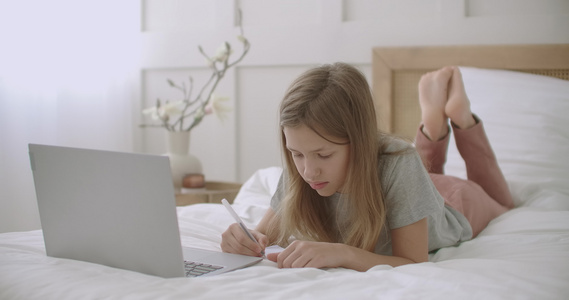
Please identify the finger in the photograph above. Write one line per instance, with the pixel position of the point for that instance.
(253, 245)
(229, 242)
(273, 256)
(284, 254)
(262, 239)
(300, 261)
(245, 240)
(290, 258)
(244, 247)
(314, 263)
(234, 240)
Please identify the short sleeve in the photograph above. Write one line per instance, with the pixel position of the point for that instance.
(409, 193)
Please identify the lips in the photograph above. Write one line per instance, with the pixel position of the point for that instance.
(318, 185)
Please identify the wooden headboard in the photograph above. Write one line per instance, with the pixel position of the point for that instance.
(397, 70)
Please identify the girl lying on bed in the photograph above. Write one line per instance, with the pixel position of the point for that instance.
(353, 197)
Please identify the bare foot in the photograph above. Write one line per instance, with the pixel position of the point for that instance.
(433, 94)
(458, 105)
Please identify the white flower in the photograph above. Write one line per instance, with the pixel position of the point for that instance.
(152, 111)
(242, 39)
(217, 106)
(186, 114)
(222, 53)
(173, 108)
(164, 112)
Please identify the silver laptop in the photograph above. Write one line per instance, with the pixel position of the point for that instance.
(117, 209)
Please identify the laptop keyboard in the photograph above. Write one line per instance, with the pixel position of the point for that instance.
(195, 269)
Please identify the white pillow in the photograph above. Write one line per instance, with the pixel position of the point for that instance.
(526, 118)
(259, 188)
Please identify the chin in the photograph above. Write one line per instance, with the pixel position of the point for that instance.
(325, 193)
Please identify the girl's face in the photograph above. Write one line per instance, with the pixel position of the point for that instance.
(322, 164)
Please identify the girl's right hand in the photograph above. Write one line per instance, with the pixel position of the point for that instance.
(234, 240)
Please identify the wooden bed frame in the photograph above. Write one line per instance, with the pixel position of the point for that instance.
(396, 73)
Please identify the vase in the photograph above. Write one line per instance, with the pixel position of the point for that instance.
(182, 162)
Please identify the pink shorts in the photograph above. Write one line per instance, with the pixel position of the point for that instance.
(485, 194)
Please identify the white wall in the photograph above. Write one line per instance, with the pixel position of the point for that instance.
(287, 36)
(68, 76)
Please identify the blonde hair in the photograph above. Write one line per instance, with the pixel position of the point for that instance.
(333, 100)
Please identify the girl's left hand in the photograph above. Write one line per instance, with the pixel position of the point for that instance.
(304, 254)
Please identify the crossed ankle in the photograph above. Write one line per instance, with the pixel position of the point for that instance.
(441, 135)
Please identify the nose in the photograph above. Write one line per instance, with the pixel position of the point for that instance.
(311, 169)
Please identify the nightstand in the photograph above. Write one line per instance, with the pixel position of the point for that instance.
(213, 192)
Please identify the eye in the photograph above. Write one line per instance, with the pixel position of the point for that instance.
(296, 154)
(324, 156)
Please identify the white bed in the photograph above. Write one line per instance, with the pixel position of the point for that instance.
(523, 254)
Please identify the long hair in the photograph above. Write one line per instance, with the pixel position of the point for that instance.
(333, 100)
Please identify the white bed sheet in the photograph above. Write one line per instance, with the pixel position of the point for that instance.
(523, 254)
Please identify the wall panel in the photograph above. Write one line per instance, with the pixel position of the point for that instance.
(281, 12)
(497, 8)
(165, 15)
(259, 98)
(373, 10)
(290, 36)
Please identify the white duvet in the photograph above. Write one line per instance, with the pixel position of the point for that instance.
(523, 254)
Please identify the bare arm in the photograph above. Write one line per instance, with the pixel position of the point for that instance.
(409, 244)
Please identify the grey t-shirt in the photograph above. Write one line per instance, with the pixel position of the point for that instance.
(409, 196)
